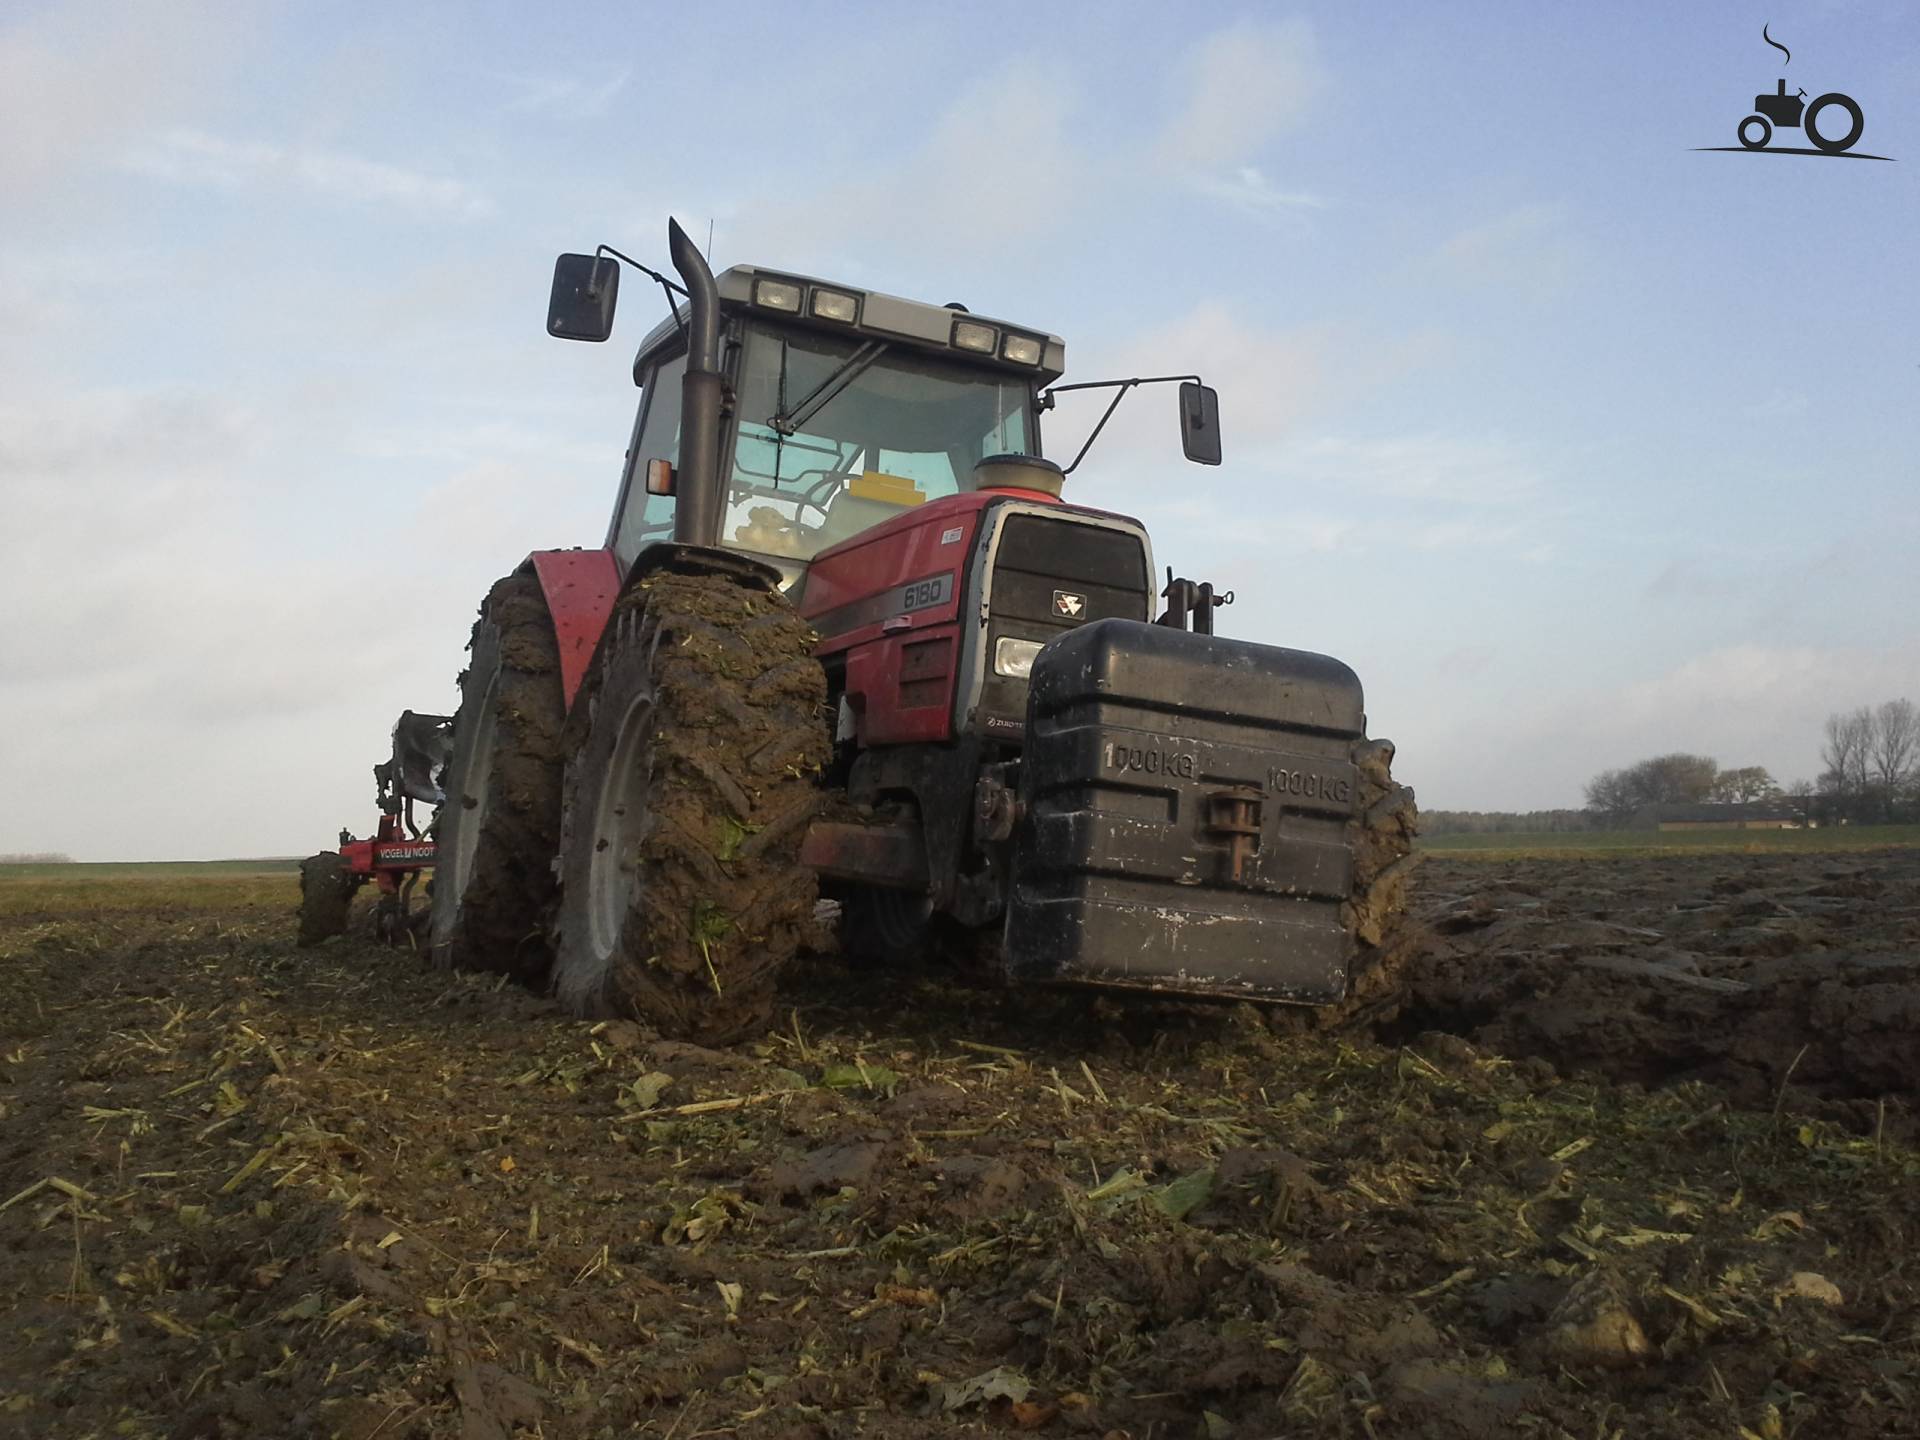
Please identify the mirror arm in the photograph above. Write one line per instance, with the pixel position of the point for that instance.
(664, 283)
(1122, 386)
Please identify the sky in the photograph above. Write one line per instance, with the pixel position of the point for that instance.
(1578, 443)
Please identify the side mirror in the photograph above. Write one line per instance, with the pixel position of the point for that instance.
(1200, 423)
(584, 290)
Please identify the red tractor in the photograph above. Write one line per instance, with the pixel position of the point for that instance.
(845, 639)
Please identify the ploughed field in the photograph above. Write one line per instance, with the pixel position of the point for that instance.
(1635, 1158)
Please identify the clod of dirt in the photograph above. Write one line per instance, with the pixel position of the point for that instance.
(976, 1186)
(1593, 1325)
(1772, 980)
(830, 1168)
(1338, 1323)
(1806, 1285)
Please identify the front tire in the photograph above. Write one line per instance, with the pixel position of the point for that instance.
(500, 823)
(682, 895)
(1382, 838)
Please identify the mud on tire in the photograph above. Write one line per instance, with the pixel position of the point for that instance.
(1386, 939)
(697, 742)
(499, 827)
(326, 894)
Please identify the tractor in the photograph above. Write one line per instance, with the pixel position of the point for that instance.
(845, 640)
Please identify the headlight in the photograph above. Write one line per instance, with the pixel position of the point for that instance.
(777, 295)
(832, 305)
(1014, 658)
(971, 335)
(1022, 350)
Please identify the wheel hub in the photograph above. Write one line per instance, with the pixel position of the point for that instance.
(619, 816)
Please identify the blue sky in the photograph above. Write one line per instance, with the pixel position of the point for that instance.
(1578, 444)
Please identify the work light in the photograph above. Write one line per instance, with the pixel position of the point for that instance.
(1021, 350)
(777, 295)
(832, 305)
(971, 335)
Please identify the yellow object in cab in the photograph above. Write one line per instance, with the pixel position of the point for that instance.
(887, 489)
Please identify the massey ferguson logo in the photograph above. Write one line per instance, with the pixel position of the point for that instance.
(1066, 603)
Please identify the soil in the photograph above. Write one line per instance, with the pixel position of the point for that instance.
(256, 1190)
(1749, 971)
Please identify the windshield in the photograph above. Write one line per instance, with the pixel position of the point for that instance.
(887, 432)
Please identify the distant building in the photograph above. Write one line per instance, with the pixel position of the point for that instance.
(1758, 815)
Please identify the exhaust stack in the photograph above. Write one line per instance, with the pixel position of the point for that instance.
(698, 492)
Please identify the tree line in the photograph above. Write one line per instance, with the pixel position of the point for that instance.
(35, 857)
(1872, 757)
(1872, 774)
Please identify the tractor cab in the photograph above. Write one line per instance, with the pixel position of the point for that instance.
(849, 408)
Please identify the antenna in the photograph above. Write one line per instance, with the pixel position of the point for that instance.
(709, 239)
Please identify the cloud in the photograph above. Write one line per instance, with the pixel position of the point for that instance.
(565, 97)
(186, 156)
(1486, 470)
(212, 630)
(1526, 249)
(1243, 85)
(77, 82)
(1001, 167)
(1249, 191)
(1240, 88)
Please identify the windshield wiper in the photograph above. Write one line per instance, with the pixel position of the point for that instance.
(788, 421)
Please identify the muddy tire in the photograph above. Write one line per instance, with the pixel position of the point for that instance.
(500, 824)
(1386, 940)
(326, 894)
(698, 741)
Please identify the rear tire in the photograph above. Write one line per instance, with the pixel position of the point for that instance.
(682, 895)
(327, 884)
(1839, 144)
(500, 824)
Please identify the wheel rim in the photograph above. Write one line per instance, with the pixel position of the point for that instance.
(473, 785)
(619, 812)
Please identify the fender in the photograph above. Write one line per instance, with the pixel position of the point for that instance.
(580, 587)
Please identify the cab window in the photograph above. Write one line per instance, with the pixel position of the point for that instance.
(656, 436)
(894, 431)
